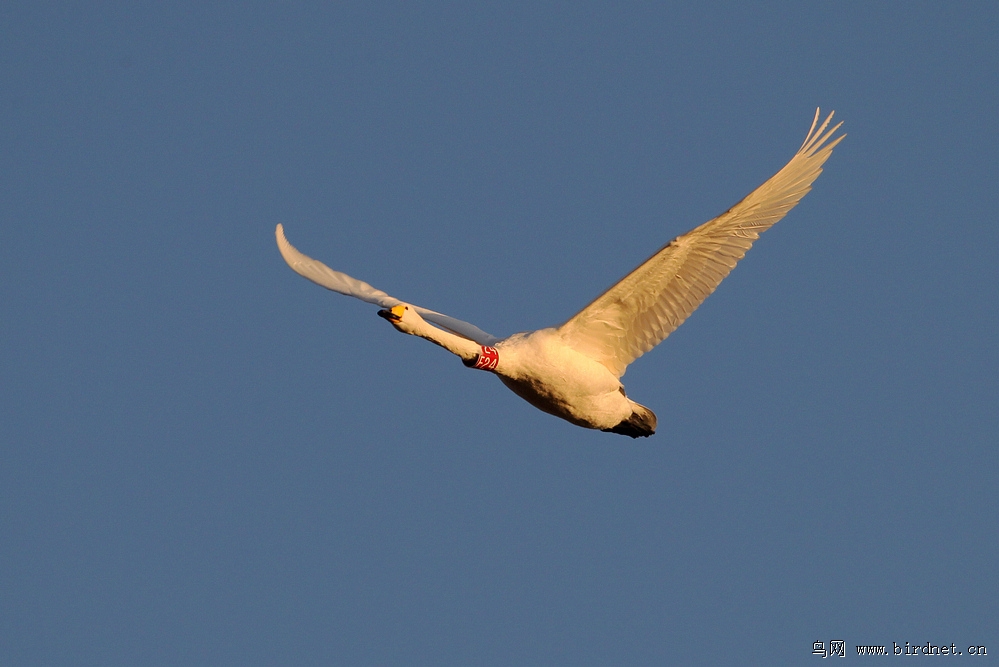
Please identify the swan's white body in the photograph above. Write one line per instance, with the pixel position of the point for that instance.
(573, 371)
(552, 376)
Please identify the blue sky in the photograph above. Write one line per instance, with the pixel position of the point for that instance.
(208, 460)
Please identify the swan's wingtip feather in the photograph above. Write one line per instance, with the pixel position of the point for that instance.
(290, 253)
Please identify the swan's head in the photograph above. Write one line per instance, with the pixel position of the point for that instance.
(402, 317)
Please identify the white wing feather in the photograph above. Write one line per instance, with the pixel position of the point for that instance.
(339, 282)
(648, 304)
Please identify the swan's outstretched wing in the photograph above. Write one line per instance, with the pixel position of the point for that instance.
(648, 304)
(457, 327)
(336, 281)
(326, 277)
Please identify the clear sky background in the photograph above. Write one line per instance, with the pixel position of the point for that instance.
(207, 460)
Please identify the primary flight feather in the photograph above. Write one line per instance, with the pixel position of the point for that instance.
(573, 371)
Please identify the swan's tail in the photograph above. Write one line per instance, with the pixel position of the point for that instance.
(641, 423)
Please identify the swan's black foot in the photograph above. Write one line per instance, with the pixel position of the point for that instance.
(641, 423)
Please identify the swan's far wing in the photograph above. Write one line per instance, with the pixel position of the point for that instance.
(339, 282)
(648, 304)
(324, 276)
(457, 327)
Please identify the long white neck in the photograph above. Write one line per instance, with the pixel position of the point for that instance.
(466, 349)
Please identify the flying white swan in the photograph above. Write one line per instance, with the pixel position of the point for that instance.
(574, 371)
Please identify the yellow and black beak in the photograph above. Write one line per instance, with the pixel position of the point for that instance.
(393, 314)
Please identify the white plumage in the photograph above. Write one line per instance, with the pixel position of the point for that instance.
(573, 371)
